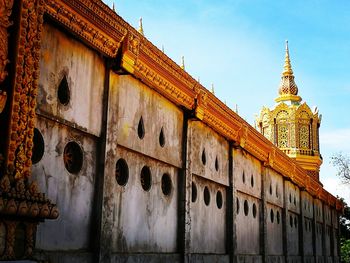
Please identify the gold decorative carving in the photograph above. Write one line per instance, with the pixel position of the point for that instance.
(25, 89)
(21, 202)
(100, 31)
(5, 12)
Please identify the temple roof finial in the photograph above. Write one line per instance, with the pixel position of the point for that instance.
(113, 7)
(140, 27)
(288, 90)
(183, 62)
(212, 88)
(287, 68)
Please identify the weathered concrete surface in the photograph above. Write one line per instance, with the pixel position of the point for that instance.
(307, 222)
(248, 226)
(247, 180)
(73, 193)
(208, 222)
(208, 163)
(136, 220)
(249, 259)
(62, 55)
(64, 257)
(136, 100)
(292, 196)
(209, 147)
(146, 258)
(274, 230)
(144, 221)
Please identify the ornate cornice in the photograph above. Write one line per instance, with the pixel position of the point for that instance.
(89, 21)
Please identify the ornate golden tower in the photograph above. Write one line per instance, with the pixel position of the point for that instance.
(292, 125)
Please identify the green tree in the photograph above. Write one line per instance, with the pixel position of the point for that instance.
(345, 250)
(342, 163)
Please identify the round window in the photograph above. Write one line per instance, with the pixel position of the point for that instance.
(146, 179)
(219, 199)
(194, 192)
(73, 157)
(63, 92)
(166, 184)
(206, 194)
(246, 207)
(38, 146)
(254, 210)
(121, 172)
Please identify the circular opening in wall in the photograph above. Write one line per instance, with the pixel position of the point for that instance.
(278, 217)
(63, 92)
(237, 206)
(73, 157)
(295, 222)
(166, 184)
(254, 210)
(219, 199)
(252, 181)
(141, 129)
(146, 178)
(161, 138)
(243, 177)
(204, 158)
(216, 164)
(246, 207)
(121, 172)
(291, 221)
(38, 146)
(272, 216)
(194, 192)
(206, 195)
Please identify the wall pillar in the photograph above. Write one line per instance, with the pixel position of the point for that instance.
(284, 221)
(314, 225)
(231, 210)
(301, 228)
(185, 194)
(263, 216)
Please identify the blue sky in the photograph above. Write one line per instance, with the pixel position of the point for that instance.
(239, 47)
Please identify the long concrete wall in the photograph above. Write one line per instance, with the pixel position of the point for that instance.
(155, 184)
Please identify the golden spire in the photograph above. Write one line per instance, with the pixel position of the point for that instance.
(183, 62)
(212, 88)
(288, 90)
(141, 27)
(287, 69)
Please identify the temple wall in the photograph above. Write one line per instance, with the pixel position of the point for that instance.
(156, 184)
